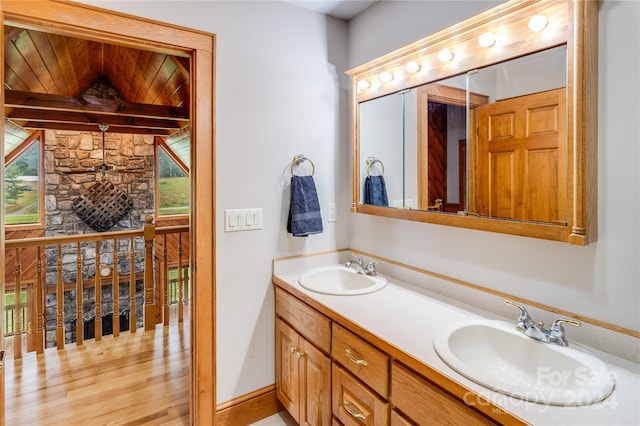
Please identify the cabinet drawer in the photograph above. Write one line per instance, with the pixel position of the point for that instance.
(310, 323)
(354, 404)
(425, 403)
(398, 420)
(365, 361)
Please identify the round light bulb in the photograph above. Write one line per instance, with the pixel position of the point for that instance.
(486, 40)
(445, 55)
(363, 85)
(386, 77)
(413, 67)
(538, 23)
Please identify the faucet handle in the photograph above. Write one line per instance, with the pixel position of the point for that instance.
(557, 324)
(523, 312)
(371, 267)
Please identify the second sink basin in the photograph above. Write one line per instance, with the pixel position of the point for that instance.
(340, 280)
(495, 355)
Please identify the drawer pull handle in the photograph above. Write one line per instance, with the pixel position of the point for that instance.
(352, 412)
(299, 354)
(354, 359)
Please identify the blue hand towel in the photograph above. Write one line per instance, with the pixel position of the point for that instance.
(375, 191)
(304, 211)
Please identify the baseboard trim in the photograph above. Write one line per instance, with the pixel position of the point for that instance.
(248, 408)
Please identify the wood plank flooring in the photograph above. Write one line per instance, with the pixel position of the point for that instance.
(134, 379)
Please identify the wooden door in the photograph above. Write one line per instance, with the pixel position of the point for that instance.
(287, 372)
(315, 386)
(522, 158)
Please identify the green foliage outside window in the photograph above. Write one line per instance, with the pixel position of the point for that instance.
(173, 190)
(22, 187)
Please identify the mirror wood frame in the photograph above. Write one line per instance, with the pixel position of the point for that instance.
(574, 23)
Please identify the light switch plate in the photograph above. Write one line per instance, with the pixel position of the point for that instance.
(242, 219)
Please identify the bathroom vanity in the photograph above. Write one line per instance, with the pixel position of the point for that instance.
(369, 359)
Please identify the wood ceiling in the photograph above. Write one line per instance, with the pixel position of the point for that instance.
(63, 83)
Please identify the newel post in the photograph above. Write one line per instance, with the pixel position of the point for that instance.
(150, 308)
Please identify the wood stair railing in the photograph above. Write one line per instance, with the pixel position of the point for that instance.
(156, 307)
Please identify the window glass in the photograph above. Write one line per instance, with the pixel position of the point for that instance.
(22, 187)
(173, 186)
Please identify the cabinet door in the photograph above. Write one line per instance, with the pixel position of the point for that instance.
(315, 386)
(287, 372)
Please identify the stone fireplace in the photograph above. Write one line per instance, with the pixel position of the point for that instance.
(66, 151)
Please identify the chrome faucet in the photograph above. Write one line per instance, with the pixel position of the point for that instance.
(358, 265)
(555, 333)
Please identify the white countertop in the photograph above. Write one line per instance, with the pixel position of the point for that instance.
(409, 318)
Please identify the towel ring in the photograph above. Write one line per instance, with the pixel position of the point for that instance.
(371, 161)
(300, 158)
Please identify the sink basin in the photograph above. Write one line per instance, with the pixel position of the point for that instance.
(494, 354)
(340, 280)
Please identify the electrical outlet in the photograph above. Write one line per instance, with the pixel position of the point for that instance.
(332, 216)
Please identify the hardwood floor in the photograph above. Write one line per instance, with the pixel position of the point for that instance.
(134, 379)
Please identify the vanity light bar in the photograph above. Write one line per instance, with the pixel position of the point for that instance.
(537, 23)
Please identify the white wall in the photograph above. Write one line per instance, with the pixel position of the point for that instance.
(281, 91)
(601, 280)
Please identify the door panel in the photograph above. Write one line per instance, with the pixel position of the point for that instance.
(522, 158)
(287, 377)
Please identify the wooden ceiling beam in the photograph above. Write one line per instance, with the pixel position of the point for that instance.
(20, 99)
(40, 125)
(48, 116)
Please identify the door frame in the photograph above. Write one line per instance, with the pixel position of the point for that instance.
(83, 21)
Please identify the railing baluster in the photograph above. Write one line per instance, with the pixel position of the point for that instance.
(180, 281)
(40, 314)
(60, 303)
(115, 291)
(17, 337)
(166, 286)
(132, 288)
(79, 322)
(150, 308)
(34, 322)
(97, 287)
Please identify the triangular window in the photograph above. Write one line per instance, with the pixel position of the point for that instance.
(22, 186)
(173, 185)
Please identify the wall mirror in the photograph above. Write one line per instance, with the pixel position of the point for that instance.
(489, 124)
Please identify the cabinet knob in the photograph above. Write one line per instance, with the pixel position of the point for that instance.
(292, 349)
(299, 354)
(355, 360)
